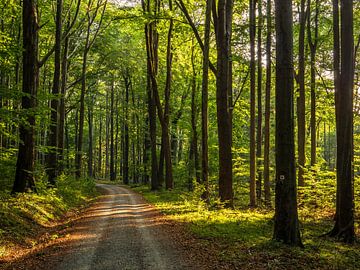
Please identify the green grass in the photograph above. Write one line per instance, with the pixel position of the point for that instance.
(23, 215)
(243, 236)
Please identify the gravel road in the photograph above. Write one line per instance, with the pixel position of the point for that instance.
(120, 232)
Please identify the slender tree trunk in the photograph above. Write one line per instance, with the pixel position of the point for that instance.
(259, 105)
(151, 36)
(112, 150)
(313, 40)
(204, 103)
(52, 165)
(194, 140)
(127, 82)
(223, 22)
(267, 189)
(100, 148)
(301, 99)
(78, 156)
(169, 181)
(90, 150)
(344, 222)
(286, 228)
(252, 106)
(24, 175)
(64, 69)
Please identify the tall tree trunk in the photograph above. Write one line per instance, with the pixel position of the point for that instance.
(286, 228)
(78, 156)
(223, 38)
(62, 116)
(112, 150)
(267, 190)
(52, 165)
(252, 106)
(24, 175)
(344, 221)
(151, 36)
(88, 43)
(204, 103)
(169, 181)
(100, 148)
(90, 125)
(259, 105)
(127, 81)
(194, 161)
(301, 99)
(313, 41)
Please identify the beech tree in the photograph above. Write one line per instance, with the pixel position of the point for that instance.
(24, 176)
(286, 228)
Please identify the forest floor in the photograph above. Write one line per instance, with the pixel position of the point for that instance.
(119, 231)
(241, 237)
(123, 231)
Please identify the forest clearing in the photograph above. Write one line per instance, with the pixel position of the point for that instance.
(179, 134)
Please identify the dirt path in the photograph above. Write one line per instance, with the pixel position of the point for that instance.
(120, 232)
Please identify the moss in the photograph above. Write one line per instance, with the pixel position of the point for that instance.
(243, 236)
(22, 216)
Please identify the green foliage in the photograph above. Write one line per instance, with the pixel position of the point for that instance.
(242, 237)
(22, 216)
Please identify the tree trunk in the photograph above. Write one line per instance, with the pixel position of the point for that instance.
(112, 150)
(223, 38)
(52, 164)
(252, 106)
(344, 220)
(78, 156)
(313, 40)
(169, 181)
(64, 69)
(259, 106)
(301, 99)
(90, 150)
(127, 82)
(24, 176)
(204, 103)
(286, 228)
(151, 36)
(267, 189)
(194, 140)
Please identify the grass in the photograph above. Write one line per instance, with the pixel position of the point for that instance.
(23, 215)
(243, 236)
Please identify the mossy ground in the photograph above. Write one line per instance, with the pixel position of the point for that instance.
(243, 236)
(23, 216)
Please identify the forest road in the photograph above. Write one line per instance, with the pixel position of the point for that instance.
(120, 232)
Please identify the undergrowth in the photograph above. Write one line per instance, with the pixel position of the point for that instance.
(242, 236)
(23, 215)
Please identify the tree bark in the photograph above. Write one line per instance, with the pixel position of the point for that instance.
(127, 81)
(313, 41)
(267, 189)
(112, 150)
(223, 40)
(24, 175)
(344, 220)
(301, 99)
(286, 228)
(259, 134)
(64, 69)
(252, 106)
(52, 156)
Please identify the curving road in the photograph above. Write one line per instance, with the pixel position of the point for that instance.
(120, 232)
